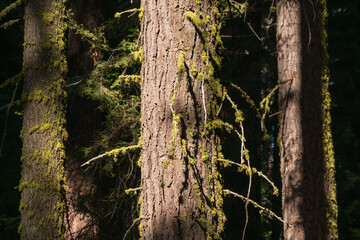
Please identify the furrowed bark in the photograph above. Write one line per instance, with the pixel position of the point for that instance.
(181, 194)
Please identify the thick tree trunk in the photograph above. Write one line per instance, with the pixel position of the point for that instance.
(309, 201)
(181, 193)
(82, 122)
(42, 184)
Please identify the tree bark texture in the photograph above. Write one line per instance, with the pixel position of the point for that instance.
(82, 121)
(87, 13)
(307, 163)
(181, 189)
(42, 184)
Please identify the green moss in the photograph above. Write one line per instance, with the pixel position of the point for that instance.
(12, 6)
(41, 223)
(19, 230)
(332, 208)
(138, 55)
(23, 206)
(48, 18)
(35, 96)
(33, 129)
(181, 64)
(165, 163)
(138, 162)
(193, 70)
(31, 214)
(191, 16)
(123, 150)
(141, 14)
(23, 184)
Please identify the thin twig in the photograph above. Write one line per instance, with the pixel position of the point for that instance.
(256, 205)
(257, 172)
(272, 5)
(112, 152)
(132, 225)
(127, 191)
(254, 32)
(75, 83)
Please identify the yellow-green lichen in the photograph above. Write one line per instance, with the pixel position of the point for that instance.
(194, 19)
(332, 209)
(33, 129)
(31, 214)
(165, 163)
(181, 64)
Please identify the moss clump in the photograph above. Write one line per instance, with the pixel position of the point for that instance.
(165, 163)
(191, 16)
(181, 64)
(31, 214)
(33, 129)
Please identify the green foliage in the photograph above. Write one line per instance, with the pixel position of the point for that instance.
(113, 88)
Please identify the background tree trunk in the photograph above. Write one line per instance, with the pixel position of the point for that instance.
(88, 13)
(309, 202)
(181, 193)
(42, 185)
(83, 121)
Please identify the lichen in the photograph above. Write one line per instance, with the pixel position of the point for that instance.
(181, 64)
(194, 19)
(332, 208)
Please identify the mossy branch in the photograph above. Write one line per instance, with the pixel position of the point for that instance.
(264, 105)
(129, 190)
(9, 24)
(133, 10)
(6, 10)
(244, 167)
(265, 102)
(256, 205)
(114, 153)
(13, 81)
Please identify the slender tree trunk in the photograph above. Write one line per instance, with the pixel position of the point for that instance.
(42, 184)
(181, 192)
(307, 163)
(82, 122)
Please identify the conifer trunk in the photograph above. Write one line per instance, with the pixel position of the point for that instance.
(82, 122)
(42, 184)
(307, 163)
(181, 192)
(88, 13)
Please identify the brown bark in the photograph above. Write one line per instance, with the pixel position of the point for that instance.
(83, 121)
(180, 184)
(42, 184)
(88, 13)
(302, 64)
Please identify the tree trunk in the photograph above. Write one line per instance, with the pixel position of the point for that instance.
(82, 122)
(307, 163)
(42, 185)
(88, 13)
(181, 190)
